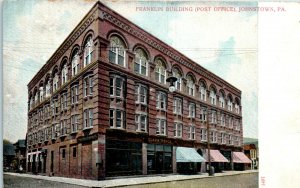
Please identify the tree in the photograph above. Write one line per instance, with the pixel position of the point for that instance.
(5, 142)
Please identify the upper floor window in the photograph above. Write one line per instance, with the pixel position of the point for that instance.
(203, 114)
(117, 51)
(141, 122)
(54, 106)
(88, 85)
(64, 74)
(178, 130)
(161, 100)
(191, 85)
(88, 51)
(237, 108)
(74, 94)
(178, 75)
(230, 122)
(116, 118)
(203, 135)
(88, 118)
(36, 97)
(202, 91)
(117, 86)
(41, 90)
(192, 132)
(222, 119)
(213, 117)
(213, 136)
(160, 126)
(48, 89)
(229, 104)
(55, 82)
(63, 127)
(160, 71)
(141, 62)
(222, 100)
(223, 141)
(140, 94)
(177, 106)
(75, 63)
(192, 110)
(74, 123)
(213, 97)
(64, 101)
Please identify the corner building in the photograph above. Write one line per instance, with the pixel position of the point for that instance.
(100, 106)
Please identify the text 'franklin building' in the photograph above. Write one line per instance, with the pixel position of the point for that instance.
(101, 107)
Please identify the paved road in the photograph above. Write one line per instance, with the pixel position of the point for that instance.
(21, 182)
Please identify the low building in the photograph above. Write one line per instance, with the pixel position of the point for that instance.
(251, 151)
(20, 151)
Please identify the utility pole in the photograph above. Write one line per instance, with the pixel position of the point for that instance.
(208, 146)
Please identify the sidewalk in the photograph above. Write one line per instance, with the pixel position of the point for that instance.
(131, 180)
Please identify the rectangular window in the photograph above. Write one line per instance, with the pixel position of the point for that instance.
(203, 114)
(116, 86)
(74, 123)
(213, 117)
(161, 127)
(192, 110)
(140, 94)
(192, 131)
(63, 153)
(64, 101)
(74, 152)
(203, 135)
(141, 121)
(88, 118)
(230, 122)
(178, 130)
(88, 86)
(222, 119)
(116, 118)
(213, 136)
(161, 101)
(74, 94)
(177, 106)
(63, 127)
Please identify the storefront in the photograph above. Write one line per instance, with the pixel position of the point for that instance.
(159, 159)
(188, 160)
(239, 160)
(217, 160)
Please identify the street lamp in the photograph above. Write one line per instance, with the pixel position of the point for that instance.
(172, 80)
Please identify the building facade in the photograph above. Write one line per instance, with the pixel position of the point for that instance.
(101, 107)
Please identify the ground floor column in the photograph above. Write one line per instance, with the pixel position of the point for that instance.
(100, 160)
(144, 158)
(174, 163)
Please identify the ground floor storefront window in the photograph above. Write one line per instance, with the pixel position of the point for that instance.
(123, 158)
(159, 159)
(227, 155)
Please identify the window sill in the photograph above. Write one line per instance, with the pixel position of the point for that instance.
(87, 128)
(162, 135)
(141, 132)
(61, 136)
(74, 132)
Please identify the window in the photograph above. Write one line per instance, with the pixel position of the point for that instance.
(223, 141)
(177, 106)
(213, 97)
(213, 136)
(64, 101)
(222, 119)
(54, 106)
(178, 130)
(75, 63)
(63, 127)
(177, 74)
(64, 74)
(140, 94)
(63, 153)
(41, 90)
(55, 82)
(88, 51)
(160, 126)
(213, 117)
(88, 86)
(141, 122)
(141, 62)
(117, 51)
(202, 91)
(238, 124)
(237, 108)
(203, 135)
(190, 85)
(48, 89)
(74, 123)
(161, 100)
(116, 118)
(230, 122)
(192, 110)
(36, 98)
(160, 71)
(116, 86)
(46, 134)
(221, 100)
(203, 114)
(192, 131)
(229, 104)
(74, 152)
(74, 94)
(88, 118)
(230, 141)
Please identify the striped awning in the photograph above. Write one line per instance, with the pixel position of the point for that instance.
(185, 155)
(240, 157)
(216, 156)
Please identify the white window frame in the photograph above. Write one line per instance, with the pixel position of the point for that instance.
(139, 95)
(229, 104)
(213, 117)
(88, 118)
(203, 114)
(64, 74)
(191, 86)
(161, 98)
(140, 61)
(222, 120)
(64, 101)
(177, 74)
(213, 97)
(55, 82)
(75, 64)
(203, 135)
(192, 132)
(178, 130)
(63, 127)
(202, 92)
(74, 94)
(237, 108)
(160, 72)
(48, 89)
(41, 91)
(161, 126)
(222, 101)
(141, 126)
(88, 84)
(177, 106)
(230, 122)
(213, 136)
(117, 47)
(192, 110)
(114, 118)
(113, 86)
(223, 141)
(74, 123)
(88, 52)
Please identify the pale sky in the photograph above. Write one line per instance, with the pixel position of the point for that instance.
(223, 42)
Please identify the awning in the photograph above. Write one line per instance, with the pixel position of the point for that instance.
(185, 155)
(216, 156)
(240, 157)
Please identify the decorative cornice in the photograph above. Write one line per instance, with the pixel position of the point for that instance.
(164, 48)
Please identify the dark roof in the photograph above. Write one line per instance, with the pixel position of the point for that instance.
(20, 143)
(8, 149)
(250, 141)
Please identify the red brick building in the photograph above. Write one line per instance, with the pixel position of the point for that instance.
(100, 106)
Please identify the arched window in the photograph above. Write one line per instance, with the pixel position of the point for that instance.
(55, 82)
(202, 91)
(48, 89)
(229, 104)
(178, 75)
(190, 85)
(64, 73)
(117, 51)
(88, 51)
(141, 62)
(237, 108)
(41, 90)
(75, 63)
(222, 100)
(160, 71)
(213, 96)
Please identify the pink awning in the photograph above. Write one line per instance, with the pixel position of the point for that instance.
(216, 156)
(240, 157)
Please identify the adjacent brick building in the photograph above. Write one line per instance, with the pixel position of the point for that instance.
(100, 106)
